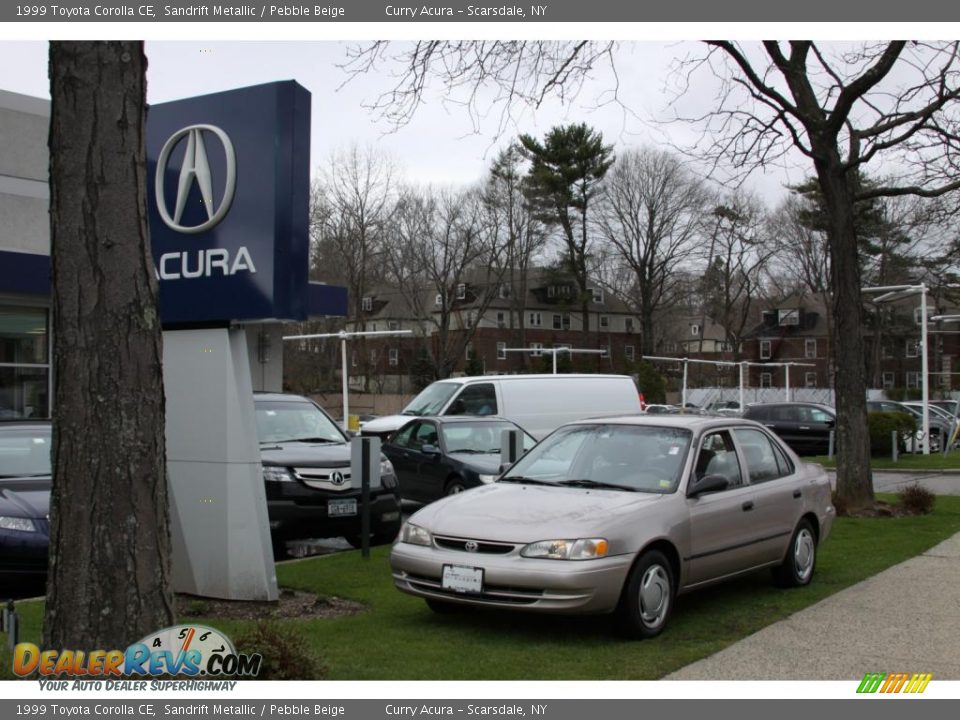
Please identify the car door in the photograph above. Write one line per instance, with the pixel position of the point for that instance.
(431, 470)
(398, 450)
(777, 491)
(722, 535)
(815, 425)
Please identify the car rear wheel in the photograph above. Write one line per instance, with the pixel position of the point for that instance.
(797, 567)
(647, 597)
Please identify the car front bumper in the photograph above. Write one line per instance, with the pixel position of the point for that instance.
(291, 520)
(511, 581)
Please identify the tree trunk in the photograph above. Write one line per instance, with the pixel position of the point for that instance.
(854, 480)
(109, 573)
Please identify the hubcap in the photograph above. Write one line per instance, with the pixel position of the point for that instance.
(803, 554)
(654, 595)
(454, 489)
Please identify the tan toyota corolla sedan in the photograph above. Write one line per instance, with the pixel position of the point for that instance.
(620, 516)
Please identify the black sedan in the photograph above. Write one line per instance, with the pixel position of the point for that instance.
(439, 456)
(24, 499)
(805, 427)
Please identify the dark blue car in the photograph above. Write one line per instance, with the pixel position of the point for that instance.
(437, 456)
(24, 499)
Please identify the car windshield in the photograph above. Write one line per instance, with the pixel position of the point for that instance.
(633, 457)
(24, 451)
(479, 437)
(431, 400)
(288, 421)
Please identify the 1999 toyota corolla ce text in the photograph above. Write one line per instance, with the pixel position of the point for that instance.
(619, 516)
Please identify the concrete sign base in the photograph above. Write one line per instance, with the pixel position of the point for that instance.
(221, 534)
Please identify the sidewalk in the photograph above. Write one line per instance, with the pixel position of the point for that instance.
(904, 619)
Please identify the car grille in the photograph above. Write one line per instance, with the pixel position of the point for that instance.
(491, 593)
(330, 479)
(482, 546)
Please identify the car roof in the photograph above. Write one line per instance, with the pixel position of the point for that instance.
(692, 422)
(517, 378)
(453, 419)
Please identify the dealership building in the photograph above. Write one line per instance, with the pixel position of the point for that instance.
(25, 321)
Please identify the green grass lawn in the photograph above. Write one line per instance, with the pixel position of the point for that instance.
(907, 461)
(400, 638)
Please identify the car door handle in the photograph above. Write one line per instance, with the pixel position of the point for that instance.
(747, 506)
(798, 493)
(804, 427)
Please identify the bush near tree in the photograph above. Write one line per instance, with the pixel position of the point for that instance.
(882, 425)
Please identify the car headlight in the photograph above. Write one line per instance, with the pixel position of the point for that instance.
(388, 476)
(16, 523)
(487, 478)
(272, 473)
(583, 549)
(415, 535)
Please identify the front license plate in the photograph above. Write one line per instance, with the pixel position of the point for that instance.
(340, 508)
(462, 579)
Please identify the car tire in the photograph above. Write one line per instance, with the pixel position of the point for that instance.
(442, 607)
(454, 486)
(647, 599)
(797, 567)
(280, 550)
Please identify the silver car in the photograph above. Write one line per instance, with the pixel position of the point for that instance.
(619, 516)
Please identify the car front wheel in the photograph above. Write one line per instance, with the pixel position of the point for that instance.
(454, 486)
(797, 567)
(647, 597)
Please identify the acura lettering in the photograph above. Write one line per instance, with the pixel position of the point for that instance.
(204, 263)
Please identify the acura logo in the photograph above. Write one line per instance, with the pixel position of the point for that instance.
(195, 167)
(336, 478)
(470, 546)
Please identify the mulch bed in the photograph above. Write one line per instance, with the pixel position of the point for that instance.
(292, 604)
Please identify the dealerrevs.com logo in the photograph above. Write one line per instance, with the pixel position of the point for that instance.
(181, 650)
(894, 682)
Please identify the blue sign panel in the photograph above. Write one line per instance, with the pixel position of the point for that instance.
(228, 199)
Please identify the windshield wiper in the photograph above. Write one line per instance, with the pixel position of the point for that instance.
(471, 451)
(596, 484)
(304, 439)
(524, 480)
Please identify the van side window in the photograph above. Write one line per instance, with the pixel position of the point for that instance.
(478, 399)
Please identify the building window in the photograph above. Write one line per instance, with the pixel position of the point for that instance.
(766, 380)
(536, 349)
(535, 319)
(913, 347)
(695, 330)
(501, 319)
(469, 351)
(461, 291)
(913, 379)
(628, 324)
(810, 380)
(366, 304)
(561, 322)
(765, 350)
(393, 325)
(438, 300)
(24, 363)
(373, 357)
(353, 359)
(628, 352)
(394, 357)
(503, 292)
(810, 348)
(886, 352)
(597, 294)
(501, 351)
(605, 351)
(888, 380)
(604, 321)
(789, 316)
(373, 327)
(551, 291)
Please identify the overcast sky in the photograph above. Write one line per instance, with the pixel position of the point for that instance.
(439, 146)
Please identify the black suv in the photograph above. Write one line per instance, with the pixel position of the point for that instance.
(306, 470)
(805, 427)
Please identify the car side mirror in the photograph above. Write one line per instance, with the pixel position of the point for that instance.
(831, 423)
(430, 450)
(707, 484)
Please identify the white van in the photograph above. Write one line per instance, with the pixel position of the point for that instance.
(537, 403)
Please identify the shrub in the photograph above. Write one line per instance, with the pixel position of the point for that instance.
(882, 424)
(916, 500)
(651, 383)
(286, 654)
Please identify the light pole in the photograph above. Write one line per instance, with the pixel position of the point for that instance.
(555, 352)
(892, 293)
(343, 335)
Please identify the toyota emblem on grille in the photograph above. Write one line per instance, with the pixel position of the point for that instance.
(470, 546)
(336, 478)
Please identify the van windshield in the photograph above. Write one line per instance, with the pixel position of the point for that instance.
(431, 400)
